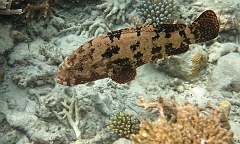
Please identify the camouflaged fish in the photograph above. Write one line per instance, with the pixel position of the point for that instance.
(117, 54)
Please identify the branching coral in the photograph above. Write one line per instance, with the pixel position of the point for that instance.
(71, 112)
(115, 10)
(190, 127)
(100, 19)
(223, 108)
(166, 107)
(5, 8)
(43, 6)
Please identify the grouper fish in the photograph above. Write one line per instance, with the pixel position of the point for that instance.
(117, 54)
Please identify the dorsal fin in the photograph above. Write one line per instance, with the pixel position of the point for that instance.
(168, 28)
(205, 27)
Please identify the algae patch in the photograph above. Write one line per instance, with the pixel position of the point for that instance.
(1, 75)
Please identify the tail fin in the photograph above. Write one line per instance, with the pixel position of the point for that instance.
(205, 27)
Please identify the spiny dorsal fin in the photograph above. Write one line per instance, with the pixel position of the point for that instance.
(169, 27)
(205, 27)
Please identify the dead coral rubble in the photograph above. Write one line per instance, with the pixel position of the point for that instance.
(190, 125)
(5, 8)
(31, 10)
(72, 113)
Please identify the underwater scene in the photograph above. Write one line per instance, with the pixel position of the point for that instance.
(119, 71)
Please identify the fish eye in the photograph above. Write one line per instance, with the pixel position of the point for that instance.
(69, 68)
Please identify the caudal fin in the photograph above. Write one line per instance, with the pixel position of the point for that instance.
(205, 27)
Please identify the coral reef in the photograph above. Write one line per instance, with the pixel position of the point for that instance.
(199, 61)
(5, 8)
(72, 113)
(115, 10)
(123, 124)
(123, 141)
(229, 20)
(225, 76)
(76, 111)
(1, 75)
(224, 108)
(94, 20)
(217, 50)
(6, 41)
(37, 75)
(51, 54)
(38, 28)
(41, 6)
(190, 126)
(33, 127)
(187, 65)
(156, 11)
(41, 111)
(83, 2)
(90, 28)
(17, 36)
(30, 125)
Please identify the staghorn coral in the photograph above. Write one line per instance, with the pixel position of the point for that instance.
(190, 127)
(72, 113)
(156, 11)
(224, 108)
(123, 124)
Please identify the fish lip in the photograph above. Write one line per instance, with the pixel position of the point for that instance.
(63, 82)
(59, 80)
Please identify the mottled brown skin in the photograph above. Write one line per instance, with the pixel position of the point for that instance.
(117, 54)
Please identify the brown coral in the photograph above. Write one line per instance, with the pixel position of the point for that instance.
(199, 61)
(33, 8)
(190, 127)
(42, 6)
(224, 108)
(5, 8)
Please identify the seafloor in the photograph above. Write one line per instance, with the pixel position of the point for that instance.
(35, 109)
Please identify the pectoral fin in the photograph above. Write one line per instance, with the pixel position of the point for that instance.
(124, 76)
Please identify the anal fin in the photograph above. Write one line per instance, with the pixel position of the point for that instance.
(124, 76)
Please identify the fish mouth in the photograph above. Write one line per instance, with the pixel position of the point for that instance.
(61, 81)
(64, 82)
